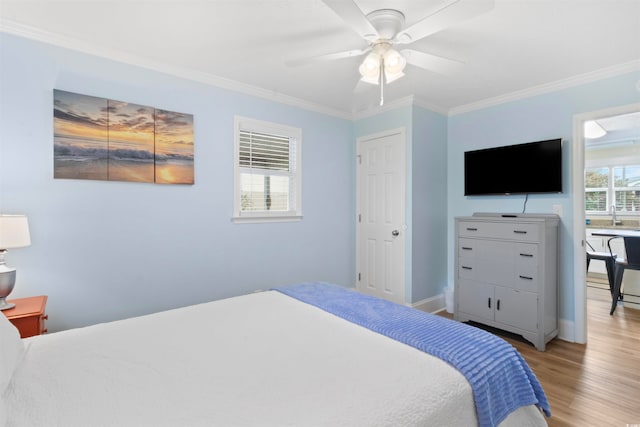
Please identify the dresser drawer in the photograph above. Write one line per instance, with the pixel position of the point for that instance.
(485, 249)
(505, 263)
(500, 230)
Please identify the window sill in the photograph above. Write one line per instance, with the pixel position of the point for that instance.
(263, 219)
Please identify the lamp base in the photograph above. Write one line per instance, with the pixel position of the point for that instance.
(7, 281)
(4, 305)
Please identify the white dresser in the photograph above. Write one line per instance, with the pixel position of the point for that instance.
(507, 273)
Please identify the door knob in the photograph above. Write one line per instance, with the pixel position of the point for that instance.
(395, 233)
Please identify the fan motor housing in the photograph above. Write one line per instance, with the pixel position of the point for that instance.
(388, 22)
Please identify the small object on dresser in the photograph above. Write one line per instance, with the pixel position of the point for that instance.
(28, 315)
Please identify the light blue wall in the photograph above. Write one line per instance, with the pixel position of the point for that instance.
(429, 204)
(109, 250)
(531, 119)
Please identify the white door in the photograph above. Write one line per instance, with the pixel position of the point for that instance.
(380, 210)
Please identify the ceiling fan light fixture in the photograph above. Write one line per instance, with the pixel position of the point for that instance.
(593, 130)
(394, 64)
(370, 68)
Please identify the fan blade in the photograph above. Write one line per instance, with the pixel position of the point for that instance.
(437, 64)
(352, 15)
(328, 57)
(451, 14)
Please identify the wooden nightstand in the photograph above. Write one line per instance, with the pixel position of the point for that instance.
(28, 315)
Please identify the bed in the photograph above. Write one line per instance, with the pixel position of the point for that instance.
(313, 354)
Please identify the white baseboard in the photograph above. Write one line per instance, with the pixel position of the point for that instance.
(566, 330)
(430, 305)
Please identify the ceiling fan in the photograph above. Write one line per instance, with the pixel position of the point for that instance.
(383, 30)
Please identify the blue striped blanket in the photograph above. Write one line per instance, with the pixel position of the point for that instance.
(500, 378)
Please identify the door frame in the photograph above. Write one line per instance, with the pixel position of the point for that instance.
(579, 227)
(363, 139)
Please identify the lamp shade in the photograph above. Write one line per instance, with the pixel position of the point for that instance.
(14, 231)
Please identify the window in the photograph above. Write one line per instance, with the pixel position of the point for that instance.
(596, 183)
(626, 186)
(267, 171)
(614, 185)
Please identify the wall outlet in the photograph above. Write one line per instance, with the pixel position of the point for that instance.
(557, 209)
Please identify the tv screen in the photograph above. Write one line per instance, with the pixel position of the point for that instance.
(534, 167)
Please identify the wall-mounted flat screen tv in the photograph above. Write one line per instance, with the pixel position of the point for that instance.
(534, 167)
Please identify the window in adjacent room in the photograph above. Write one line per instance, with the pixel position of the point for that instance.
(596, 183)
(267, 180)
(612, 185)
(626, 186)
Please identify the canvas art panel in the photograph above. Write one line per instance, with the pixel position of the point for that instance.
(103, 139)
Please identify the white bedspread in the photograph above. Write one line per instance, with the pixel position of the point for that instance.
(259, 360)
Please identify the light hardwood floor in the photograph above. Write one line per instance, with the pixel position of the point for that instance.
(597, 384)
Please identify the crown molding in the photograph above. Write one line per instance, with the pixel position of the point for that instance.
(18, 29)
(15, 28)
(550, 87)
(431, 107)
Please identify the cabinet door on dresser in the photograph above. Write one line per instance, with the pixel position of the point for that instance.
(476, 298)
(516, 308)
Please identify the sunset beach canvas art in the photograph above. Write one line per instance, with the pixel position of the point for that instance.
(102, 139)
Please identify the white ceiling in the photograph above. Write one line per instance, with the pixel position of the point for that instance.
(619, 129)
(519, 46)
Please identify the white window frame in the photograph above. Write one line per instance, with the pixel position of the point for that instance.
(611, 190)
(607, 190)
(253, 125)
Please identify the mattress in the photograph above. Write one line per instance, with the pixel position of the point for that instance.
(263, 359)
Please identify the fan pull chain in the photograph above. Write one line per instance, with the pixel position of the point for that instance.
(381, 82)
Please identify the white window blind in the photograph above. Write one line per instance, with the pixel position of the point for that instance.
(596, 183)
(267, 170)
(627, 188)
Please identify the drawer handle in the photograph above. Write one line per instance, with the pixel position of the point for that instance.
(527, 255)
(489, 302)
(526, 277)
(472, 229)
(467, 248)
(519, 231)
(464, 267)
(498, 305)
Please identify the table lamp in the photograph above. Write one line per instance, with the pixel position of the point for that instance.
(14, 233)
